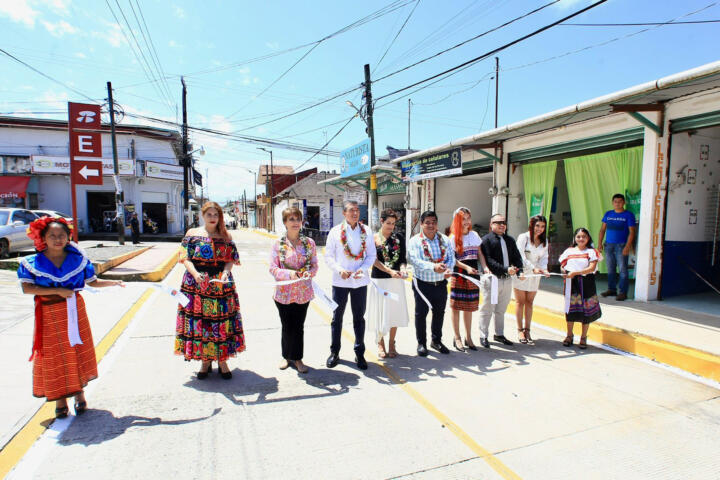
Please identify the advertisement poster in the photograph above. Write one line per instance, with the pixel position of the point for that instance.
(355, 159)
(441, 164)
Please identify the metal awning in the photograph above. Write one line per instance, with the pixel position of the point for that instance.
(361, 179)
(706, 77)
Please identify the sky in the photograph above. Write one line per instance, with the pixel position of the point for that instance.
(243, 70)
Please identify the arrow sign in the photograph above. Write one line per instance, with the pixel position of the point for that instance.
(86, 172)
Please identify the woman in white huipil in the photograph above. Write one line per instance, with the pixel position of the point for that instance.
(533, 249)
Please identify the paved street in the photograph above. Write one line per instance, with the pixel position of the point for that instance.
(531, 412)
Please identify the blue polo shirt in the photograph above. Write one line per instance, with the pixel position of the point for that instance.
(618, 226)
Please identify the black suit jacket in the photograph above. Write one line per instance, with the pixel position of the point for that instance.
(492, 250)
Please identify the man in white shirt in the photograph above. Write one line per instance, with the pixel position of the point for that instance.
(350, 253)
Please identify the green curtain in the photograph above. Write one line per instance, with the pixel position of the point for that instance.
(629, 164)
(539, 181)
(592, 180)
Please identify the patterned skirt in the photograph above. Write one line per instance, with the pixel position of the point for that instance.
(584, 304)
(59, 370)
(464, 295)
(210, 327)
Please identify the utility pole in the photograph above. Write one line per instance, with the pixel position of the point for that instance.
(409, 103)
(374, 215)
(185, 159)
(116, 175)
(255, 210)
(245, 209)
(497, 84)
(207, 184)
(272, 213)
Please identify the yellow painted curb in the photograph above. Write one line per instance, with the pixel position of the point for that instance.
(115, 261)
(691, 360)
(266, 234)
(18, 446)
(161, 272)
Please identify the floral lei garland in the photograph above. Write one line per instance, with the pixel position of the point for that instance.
(391, 258)
(346, 246)
(282, 254)
(426, 249)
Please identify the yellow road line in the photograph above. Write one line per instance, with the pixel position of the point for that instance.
(18, 446)
(495, 463)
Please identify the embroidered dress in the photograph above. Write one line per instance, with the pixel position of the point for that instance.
(465, 295)
(295, 259)
(59, 369)
(210, 327)
(583, 305)
(534, 256)
(385, 313)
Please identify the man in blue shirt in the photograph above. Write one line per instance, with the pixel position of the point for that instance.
(620, 226)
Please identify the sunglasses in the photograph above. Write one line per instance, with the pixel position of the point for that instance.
(500, 223)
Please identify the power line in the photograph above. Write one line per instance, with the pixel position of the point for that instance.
(494, 51)
(326, 143)
(694, 22)
(396, 35)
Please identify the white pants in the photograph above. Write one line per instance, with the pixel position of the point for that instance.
(487, 310)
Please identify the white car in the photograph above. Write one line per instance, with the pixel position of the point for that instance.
(13, 225)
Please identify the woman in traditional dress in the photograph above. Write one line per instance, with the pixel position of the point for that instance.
(63, 349)
(293, 257)
(465, 295)
(581, 302)
(388, 273)
(533, 249)
(210, 327)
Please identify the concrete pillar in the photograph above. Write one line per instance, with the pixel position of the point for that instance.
(648, 266)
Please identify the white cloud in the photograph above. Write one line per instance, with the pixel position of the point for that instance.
(244, 70)
(272, 45)
(55, 99)
(59, 6)
(112, 34)
(59, 29)
(80, 55)
(19, 11)
(179, 12)
(173, 44)
(565, 4)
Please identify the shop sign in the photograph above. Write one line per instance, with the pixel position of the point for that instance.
(86, 172)
(390, 186)
(355, 195)
(61, 165)
(633, 203)
(163, 171)
(441, 164)
(15, 165)
(355, 159)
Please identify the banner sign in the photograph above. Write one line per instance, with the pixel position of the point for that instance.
(61, 165)
(441, 164)
(15, 165)
(536, 205)
(390, 186)
(355, 159)
(164, 171)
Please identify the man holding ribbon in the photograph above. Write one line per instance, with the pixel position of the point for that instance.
(432, 256)
(504, 261)
(349, 253)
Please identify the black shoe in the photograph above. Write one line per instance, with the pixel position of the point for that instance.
(440, 347)
(484, 342)
(361, 362)
(621, 296)
(61, 412)
(80, 407)
(608, 293)
(458, 345)
(225, 375)
(422, 351)
(471, 347)
(502, 339)
(332, 360)
(203, 375)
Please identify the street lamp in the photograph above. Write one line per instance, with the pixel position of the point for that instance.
(255, 174)
(272, 229)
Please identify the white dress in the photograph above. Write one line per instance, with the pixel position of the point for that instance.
(533, 257)
(385, 313)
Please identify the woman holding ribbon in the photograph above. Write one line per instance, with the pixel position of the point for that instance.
(581, 302)
(387, 276)
(293, 262)
(63, 349)
(464, 294)
(533, 249)
(209, 328)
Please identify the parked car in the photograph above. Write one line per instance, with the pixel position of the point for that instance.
(13, 224)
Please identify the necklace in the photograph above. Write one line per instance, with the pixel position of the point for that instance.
(390, 249)
(426, 248)
(283, 250)
(346, 247)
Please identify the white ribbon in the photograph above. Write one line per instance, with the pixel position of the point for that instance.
(493, 289)
(320, 293)
(417, 289)
(568, 286)
(180, 297)
(391, 295)
(72, 325)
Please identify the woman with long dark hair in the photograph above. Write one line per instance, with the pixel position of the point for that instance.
(210, 327)
(579, 263)
(533, 249)
(63, 351)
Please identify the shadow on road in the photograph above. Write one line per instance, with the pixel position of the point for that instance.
(249, 388)
(98, 426)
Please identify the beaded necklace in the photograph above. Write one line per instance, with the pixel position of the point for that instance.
(426, 248)
(390, 249)
(283, 250)
(346, 247)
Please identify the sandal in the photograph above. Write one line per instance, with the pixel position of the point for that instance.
(80, 407)
(61, 412)
(381, 350)
(392, 353)
(300, 367)
(583, 343)
(522, 339)
(528, 337)
(568, 341)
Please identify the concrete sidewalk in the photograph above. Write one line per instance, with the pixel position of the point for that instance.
(150, 266)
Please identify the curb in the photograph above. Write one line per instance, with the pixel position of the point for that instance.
(265, 234)
(115, 261)
(697, 362)
(156, 275)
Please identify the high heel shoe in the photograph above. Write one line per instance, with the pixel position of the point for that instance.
(202, 375)
(470, 346)
(224, 375)
(80, 407)
(458, 345)
(522, 339)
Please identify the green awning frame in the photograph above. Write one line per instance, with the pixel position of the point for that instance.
(695, 122)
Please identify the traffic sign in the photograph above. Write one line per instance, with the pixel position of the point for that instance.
(86, 172)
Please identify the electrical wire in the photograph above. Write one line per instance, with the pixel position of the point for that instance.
(326, 143)
(693, 22)
(396, 36)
